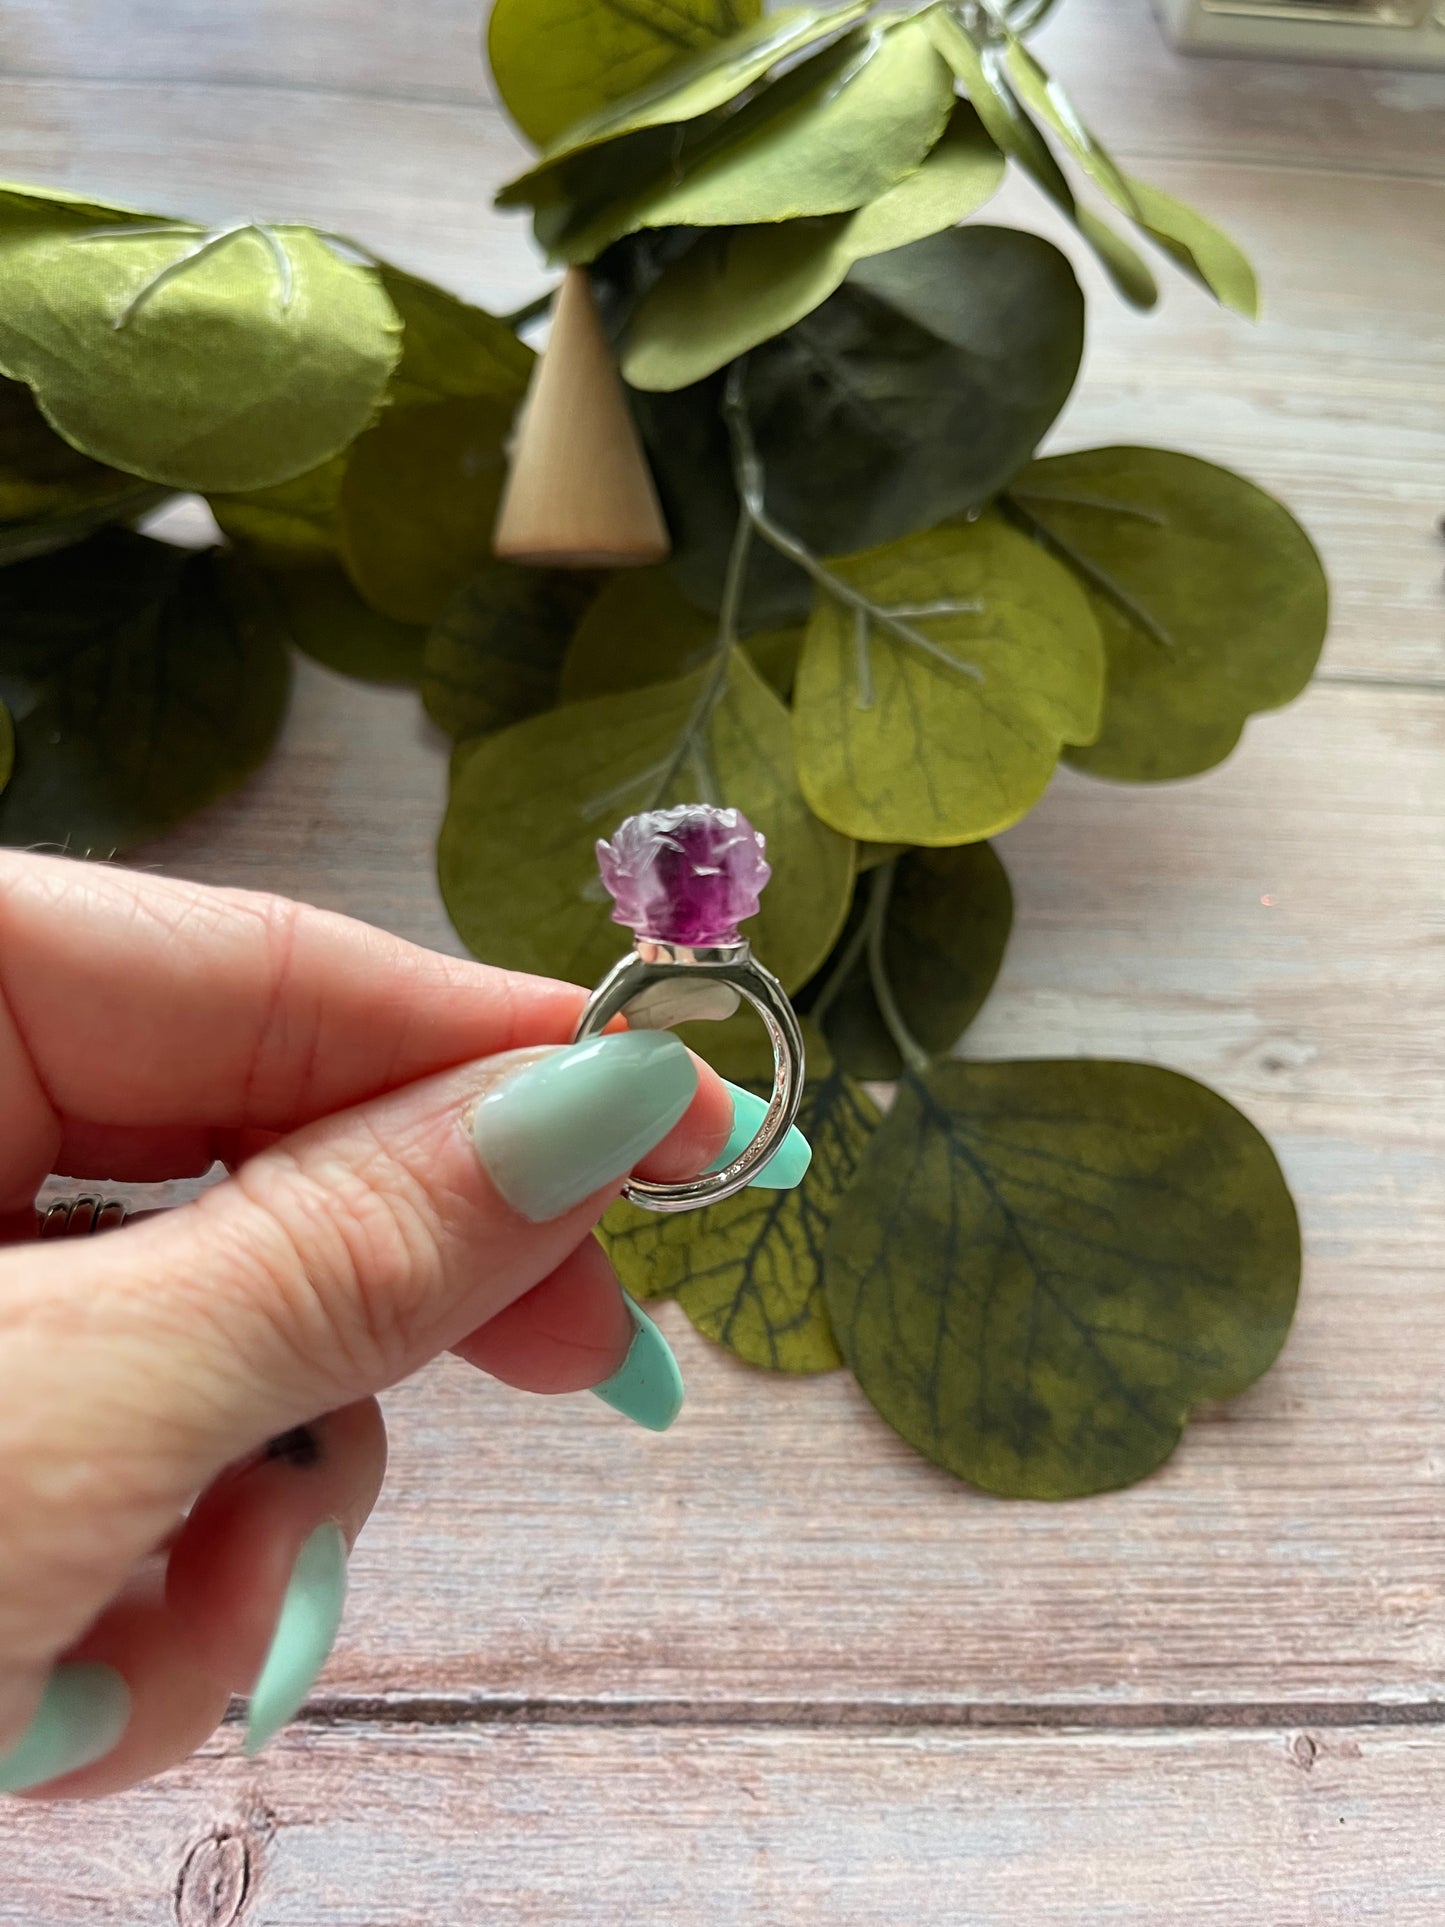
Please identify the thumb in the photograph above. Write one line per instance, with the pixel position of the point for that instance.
(333, 1264)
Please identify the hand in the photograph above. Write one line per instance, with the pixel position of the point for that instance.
(189, 1441)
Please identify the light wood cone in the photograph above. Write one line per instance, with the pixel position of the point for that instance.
(580, 494)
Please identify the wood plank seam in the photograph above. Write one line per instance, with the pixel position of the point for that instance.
(875, 1715)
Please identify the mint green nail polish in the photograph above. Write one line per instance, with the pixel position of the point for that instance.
(648, 1387)
(305, 1633)
(80, 1719)
(788, 1165)
(576, 1120)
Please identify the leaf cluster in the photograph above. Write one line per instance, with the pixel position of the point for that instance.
(886, 622)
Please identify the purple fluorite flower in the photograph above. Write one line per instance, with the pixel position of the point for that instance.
(686, 876)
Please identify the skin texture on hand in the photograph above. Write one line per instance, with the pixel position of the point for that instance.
(219, 1362)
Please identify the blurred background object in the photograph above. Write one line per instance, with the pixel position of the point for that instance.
(1405, 33)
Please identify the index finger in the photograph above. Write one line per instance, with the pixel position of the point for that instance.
(134, 1000)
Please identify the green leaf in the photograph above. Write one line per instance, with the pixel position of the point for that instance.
(1211, 599)
(642, 629)
(450, 349)
(28, 209)
(517, 858)
(918, 389)
(749, 1272)
(686, 87)
(557, 62)
(494, 657)
(1200, 248)
(7, 747)
(50, 494)
(144, 681)
(419, 501)
(739, 287)
(985, 79)
(296, 518)
(954, 735)
(838, 131)
(217, 363)
(327, 620)
(949, 913)
(1042, 1268)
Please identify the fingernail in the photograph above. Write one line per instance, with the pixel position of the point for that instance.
(648, 1386)
(578, 1119)
(788, 1165)
(305, 1633)
(81, 1716)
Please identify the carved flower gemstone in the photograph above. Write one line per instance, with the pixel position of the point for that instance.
(689, 875)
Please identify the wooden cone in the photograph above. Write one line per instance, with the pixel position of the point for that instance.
(580, 494)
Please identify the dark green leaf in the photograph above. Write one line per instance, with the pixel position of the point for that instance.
(558, 62)
(749, 1272)
(517, 856)
(949, 913)
(327, 620)
(1210, 596)
(215, 362)
(738, 287)
(419, 501)
(145, 681)
(7, 746)
(837, 131)
(495, 656)
(918, 389)
(1042, 1268)
(950, 731)
(986, 82)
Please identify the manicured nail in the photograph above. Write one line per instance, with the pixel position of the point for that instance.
(81, 1717)
(305, 1633)
(788, 1165)
(579, 1119)
(647, 1388)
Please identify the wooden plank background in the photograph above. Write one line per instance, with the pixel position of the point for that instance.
(773, 1669)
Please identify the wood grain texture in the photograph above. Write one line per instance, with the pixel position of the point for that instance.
(390, 1826)
(773, 1669)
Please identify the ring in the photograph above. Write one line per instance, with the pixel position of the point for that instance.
(79, 1217)
(683, 880)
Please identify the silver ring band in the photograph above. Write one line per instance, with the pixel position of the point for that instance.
(732, 965)
(79, 1217)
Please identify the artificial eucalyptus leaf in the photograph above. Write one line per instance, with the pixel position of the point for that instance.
(495, 656)
(1042, 1268)
(1199, 247)
(915, 393)
(517, 851)
(739, 287)
(641, 629)
(217, 362)
(559, 62)
(419, 500)
(1045, 98)
(50, 494)
(836, 132)
(327, 620)
(687, 87)
(986, 82)
(1210, 596)
(144, 682)
(27, 208)
(951, 735)
(296, 518)
(451, 349)
(687, 447)
(942, 920)
(7, 747)
(749, 1271)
